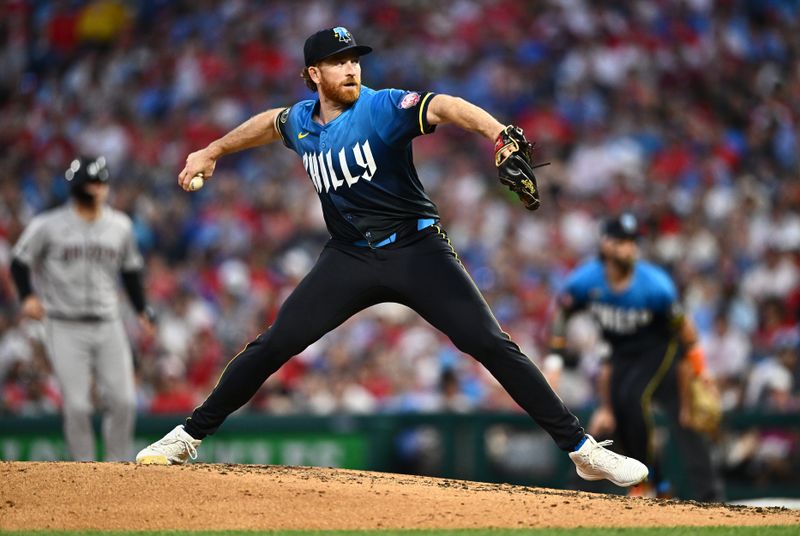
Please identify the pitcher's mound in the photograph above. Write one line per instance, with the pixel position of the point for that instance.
(124, 496)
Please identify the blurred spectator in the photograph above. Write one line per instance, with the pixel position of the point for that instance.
(775, 276)
(727, 351)
(172, 394)
(451, 397)
(771, 381)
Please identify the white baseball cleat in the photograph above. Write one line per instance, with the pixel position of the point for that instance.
(175, 448)
(595, 462)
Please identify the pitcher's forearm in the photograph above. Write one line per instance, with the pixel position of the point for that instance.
(258, 130)
(447, 109)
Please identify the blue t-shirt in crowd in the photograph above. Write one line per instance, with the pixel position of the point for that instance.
(361, 162)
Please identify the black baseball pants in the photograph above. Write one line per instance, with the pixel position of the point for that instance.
(638, 384)
(421, 271)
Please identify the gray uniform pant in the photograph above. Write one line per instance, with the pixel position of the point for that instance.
(80, 351)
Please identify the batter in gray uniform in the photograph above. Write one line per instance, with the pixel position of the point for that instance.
(76, 253)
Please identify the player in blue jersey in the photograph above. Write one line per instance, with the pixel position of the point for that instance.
(653, 353)
(386, 245)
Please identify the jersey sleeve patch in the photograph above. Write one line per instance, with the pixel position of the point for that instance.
(400, 115)
(409, 99)
(281, 124)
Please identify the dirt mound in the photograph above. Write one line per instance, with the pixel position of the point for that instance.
(124, 496)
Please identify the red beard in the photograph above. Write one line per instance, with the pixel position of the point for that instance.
(339, 93)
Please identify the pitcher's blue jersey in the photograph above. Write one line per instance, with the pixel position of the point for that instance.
(634, 321)
(361, 163)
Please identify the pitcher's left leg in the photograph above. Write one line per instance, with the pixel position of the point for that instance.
(435, 284)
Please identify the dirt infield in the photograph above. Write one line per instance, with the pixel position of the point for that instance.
(123, 496)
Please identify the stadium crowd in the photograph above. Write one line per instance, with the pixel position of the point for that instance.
(684, 112)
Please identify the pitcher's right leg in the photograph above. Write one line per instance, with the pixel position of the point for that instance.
(338, 286)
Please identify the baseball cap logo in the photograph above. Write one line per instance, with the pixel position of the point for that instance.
(342, 33)
(628, 222)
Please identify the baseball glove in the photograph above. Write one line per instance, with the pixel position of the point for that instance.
(705, 407)
(512, 156)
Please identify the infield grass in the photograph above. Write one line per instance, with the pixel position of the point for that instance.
(782, 530)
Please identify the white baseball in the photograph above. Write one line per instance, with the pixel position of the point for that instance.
(196, 183)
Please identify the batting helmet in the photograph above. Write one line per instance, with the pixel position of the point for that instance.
(86, 169)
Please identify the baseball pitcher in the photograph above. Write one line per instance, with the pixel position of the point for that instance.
(66, 266)
(386, 245)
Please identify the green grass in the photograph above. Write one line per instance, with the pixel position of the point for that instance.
(783, 530)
